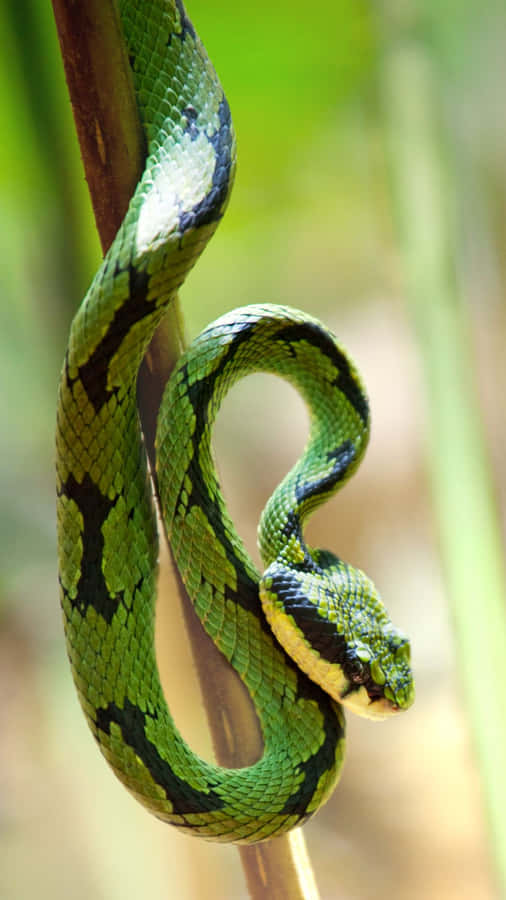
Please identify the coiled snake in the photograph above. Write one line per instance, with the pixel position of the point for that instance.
(326, 614)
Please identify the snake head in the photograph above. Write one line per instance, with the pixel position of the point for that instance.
(330, 619)
(378, 673)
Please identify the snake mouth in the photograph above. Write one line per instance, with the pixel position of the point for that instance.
(361, 703)
(381, 709)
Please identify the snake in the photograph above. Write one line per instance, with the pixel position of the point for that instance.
(308, 636)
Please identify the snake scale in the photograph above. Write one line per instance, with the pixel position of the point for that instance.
(309, 614)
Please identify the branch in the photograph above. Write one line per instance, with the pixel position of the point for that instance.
(113, 151)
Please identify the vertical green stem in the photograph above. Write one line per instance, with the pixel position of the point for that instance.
(467, 518)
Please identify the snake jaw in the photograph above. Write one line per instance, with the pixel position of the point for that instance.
(361, 704)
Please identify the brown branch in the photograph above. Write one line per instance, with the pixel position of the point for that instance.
(113, 150)
(105, 112)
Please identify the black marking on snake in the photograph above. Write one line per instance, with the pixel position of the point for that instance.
(132, 722)
(91, 588)
(324, 758)
(344, 381)
(190, 114)
(186, 25)
(210, 208)
(94, 372)
(293, 527)
(343, 456)
(322, 634)
(94, 508)
(200, 394)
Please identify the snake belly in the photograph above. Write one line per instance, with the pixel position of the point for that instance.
(107, 534)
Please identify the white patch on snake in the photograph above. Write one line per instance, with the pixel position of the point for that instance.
(174, 189)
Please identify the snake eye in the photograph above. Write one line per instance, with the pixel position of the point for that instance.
(357, 671)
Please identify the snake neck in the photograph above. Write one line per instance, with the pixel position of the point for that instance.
(315, 478)
(338, 436)
(276, 340)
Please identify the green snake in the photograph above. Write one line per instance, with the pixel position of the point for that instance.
(308, 635)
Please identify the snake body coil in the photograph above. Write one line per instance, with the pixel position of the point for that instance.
(325, 613)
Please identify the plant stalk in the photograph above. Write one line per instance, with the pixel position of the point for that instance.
(466, 513)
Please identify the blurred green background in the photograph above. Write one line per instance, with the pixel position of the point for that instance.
(312, 223)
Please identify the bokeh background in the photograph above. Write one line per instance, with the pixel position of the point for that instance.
(312, 223)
